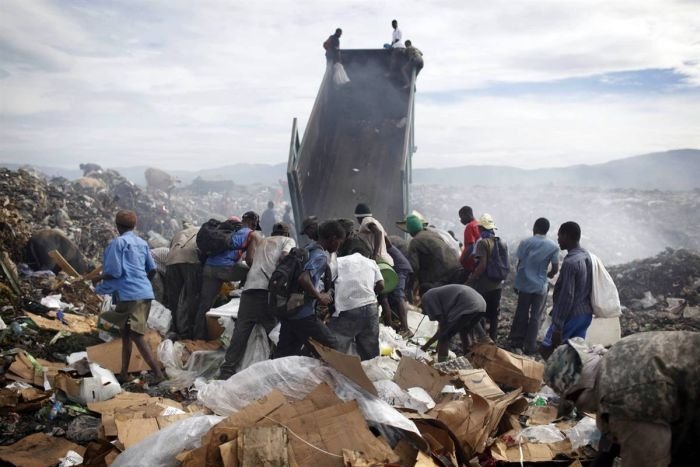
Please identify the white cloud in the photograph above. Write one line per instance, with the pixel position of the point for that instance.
(200, 84)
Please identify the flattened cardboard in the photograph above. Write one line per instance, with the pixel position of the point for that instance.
(38, 450)
(333, 429)
(348, 365)
(479, 382)
(508, 368)
(133, 430)
(109, 354)
(412, 373)
(74, 323)
(262, 445)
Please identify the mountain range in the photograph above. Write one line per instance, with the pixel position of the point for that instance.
(674, 170)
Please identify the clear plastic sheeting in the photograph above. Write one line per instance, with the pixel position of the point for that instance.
(160, 449)
(540, 434)
(296, 377)
(583, 433)
(420, 325)
(392, 394)
(201, 363)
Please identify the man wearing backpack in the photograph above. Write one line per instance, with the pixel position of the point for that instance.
(572, 311)
(535, 254)
(253, 308)
(490, 271)
(227, 266)
(304, 324)
(183, 281)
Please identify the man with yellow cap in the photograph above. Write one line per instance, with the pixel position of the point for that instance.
(126, 270)
(487, 286)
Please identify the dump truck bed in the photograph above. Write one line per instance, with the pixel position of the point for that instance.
(357, 145)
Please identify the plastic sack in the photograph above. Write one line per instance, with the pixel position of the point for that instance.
(160, 449)
(604, 296)
(420, 325)
(258, 348)
(389, 338)
(296, 377)
(540, 434)
(199, 364)
(340, 77)
(229, 325)
(159, 318)
(583, 433)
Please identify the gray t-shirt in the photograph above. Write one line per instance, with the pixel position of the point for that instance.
(448, 303)
(267, 257)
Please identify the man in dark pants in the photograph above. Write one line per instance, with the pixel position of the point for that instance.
(488, 288)
(126, 270)
(227, 267)
(253, 308)
(297, 330)
(183, 281)
(535, 254)
(332, 46)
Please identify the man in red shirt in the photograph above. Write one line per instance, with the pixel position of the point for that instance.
(471, 235)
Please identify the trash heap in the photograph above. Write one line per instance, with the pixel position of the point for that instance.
(660, 293)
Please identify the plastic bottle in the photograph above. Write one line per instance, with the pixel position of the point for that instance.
(55, 410)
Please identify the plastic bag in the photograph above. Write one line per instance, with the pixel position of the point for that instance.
(159, 318)
(275, 334)
(604, 296)
(389, 338)
(540, 434)
(340, 77)
(199, 364)
(296, 377)
(258, 348)
(160, 449)
(420, 400)
(583, 433)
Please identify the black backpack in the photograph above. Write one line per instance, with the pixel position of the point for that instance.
(498, 267)
(284, 283)
(214, 237)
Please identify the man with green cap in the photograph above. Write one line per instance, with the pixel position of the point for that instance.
(645, 392)
(432, 260)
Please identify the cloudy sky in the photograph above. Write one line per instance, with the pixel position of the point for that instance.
(200, 84)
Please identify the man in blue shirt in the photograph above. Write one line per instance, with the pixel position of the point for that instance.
(126, 270)
(535, 254)
(572, 311)
(228, 266)
(297, 330)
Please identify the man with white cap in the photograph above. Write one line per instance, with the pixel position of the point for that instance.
(488, 286)
(645, 392)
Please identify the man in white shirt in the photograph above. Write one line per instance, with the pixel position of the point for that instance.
(396, 42)
(253, 308)
(356, 316)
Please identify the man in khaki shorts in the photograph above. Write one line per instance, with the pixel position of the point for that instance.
(127, 268)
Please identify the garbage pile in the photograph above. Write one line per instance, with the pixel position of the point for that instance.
(61, 404)
(662, 292)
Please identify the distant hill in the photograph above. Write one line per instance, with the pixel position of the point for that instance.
(671, 170)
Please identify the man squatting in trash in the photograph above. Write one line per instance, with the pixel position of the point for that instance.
(645, 392)
(126, 270)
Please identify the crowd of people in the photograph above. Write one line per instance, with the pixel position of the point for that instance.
(353, 276)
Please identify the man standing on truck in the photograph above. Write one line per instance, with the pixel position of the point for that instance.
(415, 62)
(332, 46)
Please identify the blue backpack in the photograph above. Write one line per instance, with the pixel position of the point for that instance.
(498, 267)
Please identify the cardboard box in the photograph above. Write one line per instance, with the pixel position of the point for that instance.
(506, 368)
(109, 354)
(411, 373)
